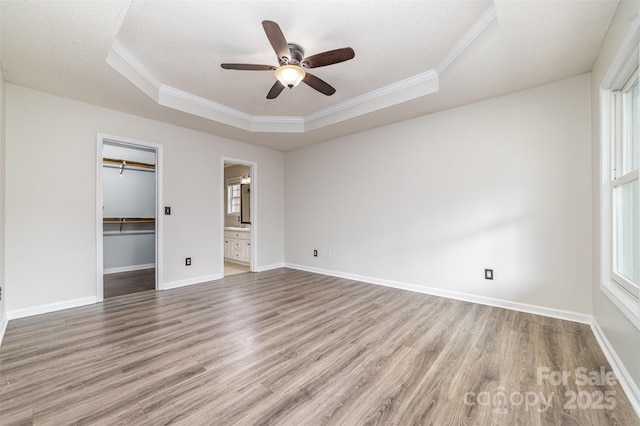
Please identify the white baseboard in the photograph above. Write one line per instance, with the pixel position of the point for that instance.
(627, 383)
(191, 281)
(4, 321)
(52, 307)
(270, 267)
(483, 300)
(129, 268)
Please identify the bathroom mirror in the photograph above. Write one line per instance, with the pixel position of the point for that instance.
(245, 203)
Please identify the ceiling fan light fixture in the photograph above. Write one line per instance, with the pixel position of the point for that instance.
(290, 75)
(292, 61)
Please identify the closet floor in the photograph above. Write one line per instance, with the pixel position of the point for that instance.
(129, 282)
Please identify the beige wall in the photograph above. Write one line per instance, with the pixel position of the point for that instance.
(51, 197)
(431, 202)
(623, 336)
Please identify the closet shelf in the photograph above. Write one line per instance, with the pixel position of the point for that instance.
(127, 163)
(123, 220)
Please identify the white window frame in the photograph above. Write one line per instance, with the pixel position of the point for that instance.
(620, 291)
(621, 103)
(230, 183)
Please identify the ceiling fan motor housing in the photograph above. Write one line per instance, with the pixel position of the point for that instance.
(297, 55)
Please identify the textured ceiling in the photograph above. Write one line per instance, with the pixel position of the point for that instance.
(61, 47)
(391, 43)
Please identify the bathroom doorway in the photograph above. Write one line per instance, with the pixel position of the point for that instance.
(238, 216)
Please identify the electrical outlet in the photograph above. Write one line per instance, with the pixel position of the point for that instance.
(187, 261)
(327, 254)
(315, 253)
(488, 274)
(167, 211)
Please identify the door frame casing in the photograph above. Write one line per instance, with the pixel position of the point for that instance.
(133, 143)
(254, 208)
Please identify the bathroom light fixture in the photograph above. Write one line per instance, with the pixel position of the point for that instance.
(290, 75)
(245, 179)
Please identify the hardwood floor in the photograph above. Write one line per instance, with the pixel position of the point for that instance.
(129, 282)
(294, 348)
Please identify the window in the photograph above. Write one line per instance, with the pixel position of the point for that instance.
(233, 196)
(625, 200)
(620, 190)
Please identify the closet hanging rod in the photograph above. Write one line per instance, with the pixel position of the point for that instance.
(128, 167)
(127, 163)
(123, 220)
(129, 220)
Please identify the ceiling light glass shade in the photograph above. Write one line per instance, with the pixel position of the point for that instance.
(290, 75)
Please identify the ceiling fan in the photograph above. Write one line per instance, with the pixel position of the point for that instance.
(293, 63)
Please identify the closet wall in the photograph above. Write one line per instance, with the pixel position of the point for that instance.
(129, 244)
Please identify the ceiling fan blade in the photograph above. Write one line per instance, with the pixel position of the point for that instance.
(248, 67)
(329, 57)
(276, 89)
(318, 84)
(277, 39)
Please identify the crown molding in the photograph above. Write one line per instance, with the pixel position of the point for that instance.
(404, 90)
(187, 102)
(123, 61)
(419, 85)
(465, 41)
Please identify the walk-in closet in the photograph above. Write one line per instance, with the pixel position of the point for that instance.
(129, 219)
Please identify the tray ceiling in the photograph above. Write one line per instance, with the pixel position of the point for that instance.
(162, 59)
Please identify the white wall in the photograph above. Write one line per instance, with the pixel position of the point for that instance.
(51, 208)
(621, 334)
(432, 202)
(3, 320)
(128, 251)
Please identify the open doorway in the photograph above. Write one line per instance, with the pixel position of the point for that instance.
(239, 216)
(128, 206)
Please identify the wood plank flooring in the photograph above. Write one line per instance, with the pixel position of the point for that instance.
(293, 348)
(129, 282)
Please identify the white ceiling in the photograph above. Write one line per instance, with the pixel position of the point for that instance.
(161, 59)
